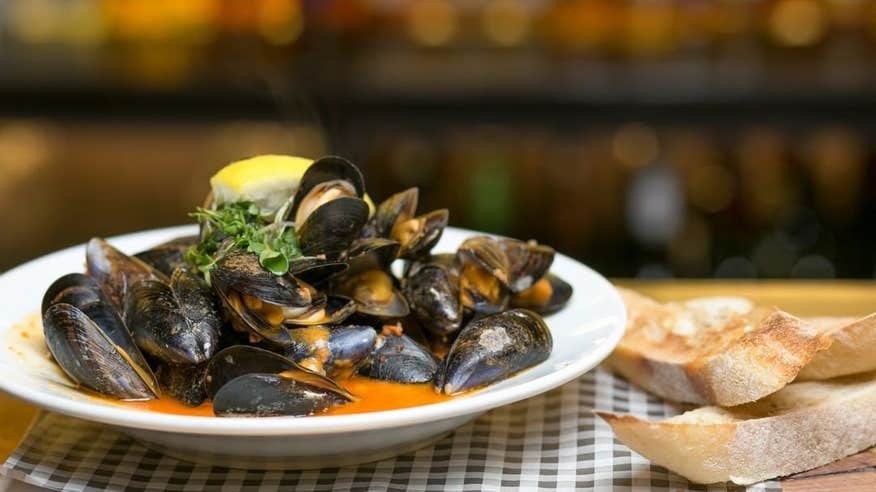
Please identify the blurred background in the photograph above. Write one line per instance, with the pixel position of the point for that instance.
(649, 138)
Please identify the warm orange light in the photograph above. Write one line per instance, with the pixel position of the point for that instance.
(432, 22)
(797, 22)
(506, 22)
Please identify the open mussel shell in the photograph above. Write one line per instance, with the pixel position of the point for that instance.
(375, 294)
(168, 256)
(400, 359)
(315, 271)
(419, 235)
(332, 227)
(402, 205)
(116, 271)
(333, 309)
(333, 351)
(90, 358)
(326, 179)
(185, 383)
(278, 389)
(273, 395)
(432, 290)
(548, 295)
(241, 272)
(494, 348)
(177, 323)
(371, 253)
(486, 253)
(528, 261)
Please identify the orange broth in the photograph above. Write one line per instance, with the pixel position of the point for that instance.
(374, 396)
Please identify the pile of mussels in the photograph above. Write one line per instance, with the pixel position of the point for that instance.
(258, 344)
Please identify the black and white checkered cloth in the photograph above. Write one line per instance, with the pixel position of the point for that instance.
(551, 442)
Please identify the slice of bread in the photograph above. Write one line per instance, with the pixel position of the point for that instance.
(852, 348)
(712, 350)
(802, 426)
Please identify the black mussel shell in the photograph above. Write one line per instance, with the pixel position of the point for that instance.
(527, 262)
(432, 291)
(90, 358)
(116, 271)
(273, 395)
(240, 360)
(241, 272)
(332, 227)
(329, 168)
(375, 294)
(400, 359)
(371, 253)
(548, 295)
(315, 271)
(184, 383)
(176, 323)
(402, 205)
(487, 253)
(420, 234)
(331, 351)
(494, 348)
(167, 257)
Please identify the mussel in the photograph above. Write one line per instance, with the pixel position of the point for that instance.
(548, 295)
(375, 294)
(325, 180)
(245, 381)
(483, 275)
(258, 301)
(185, 383)
(331, 228)
(115, 271)
(168, 256)
(333, 351)
(398, 358)
(176, 322)
(493, 348)
(371, 254)
(432, 290)
(528, 262)
(90, 342)
(396, 219)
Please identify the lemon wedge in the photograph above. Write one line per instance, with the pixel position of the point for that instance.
(267, 180)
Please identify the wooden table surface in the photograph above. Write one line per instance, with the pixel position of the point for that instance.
(856, 472)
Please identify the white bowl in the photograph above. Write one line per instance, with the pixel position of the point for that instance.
(584, 333)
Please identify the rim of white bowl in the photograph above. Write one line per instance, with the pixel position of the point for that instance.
(474, 403)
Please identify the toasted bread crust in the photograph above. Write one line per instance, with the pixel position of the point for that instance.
(804, 425)
(737, 358)
(852, 348)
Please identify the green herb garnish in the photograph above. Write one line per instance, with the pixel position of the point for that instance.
(241, 225)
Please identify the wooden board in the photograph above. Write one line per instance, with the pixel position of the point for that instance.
(844, 298)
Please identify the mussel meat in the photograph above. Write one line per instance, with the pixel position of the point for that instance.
(375, 294)
(401, 204)
(325, 180)
(493, 348)
(546, 296)
(483, 275)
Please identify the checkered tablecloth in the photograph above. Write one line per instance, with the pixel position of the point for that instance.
(545, 443)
